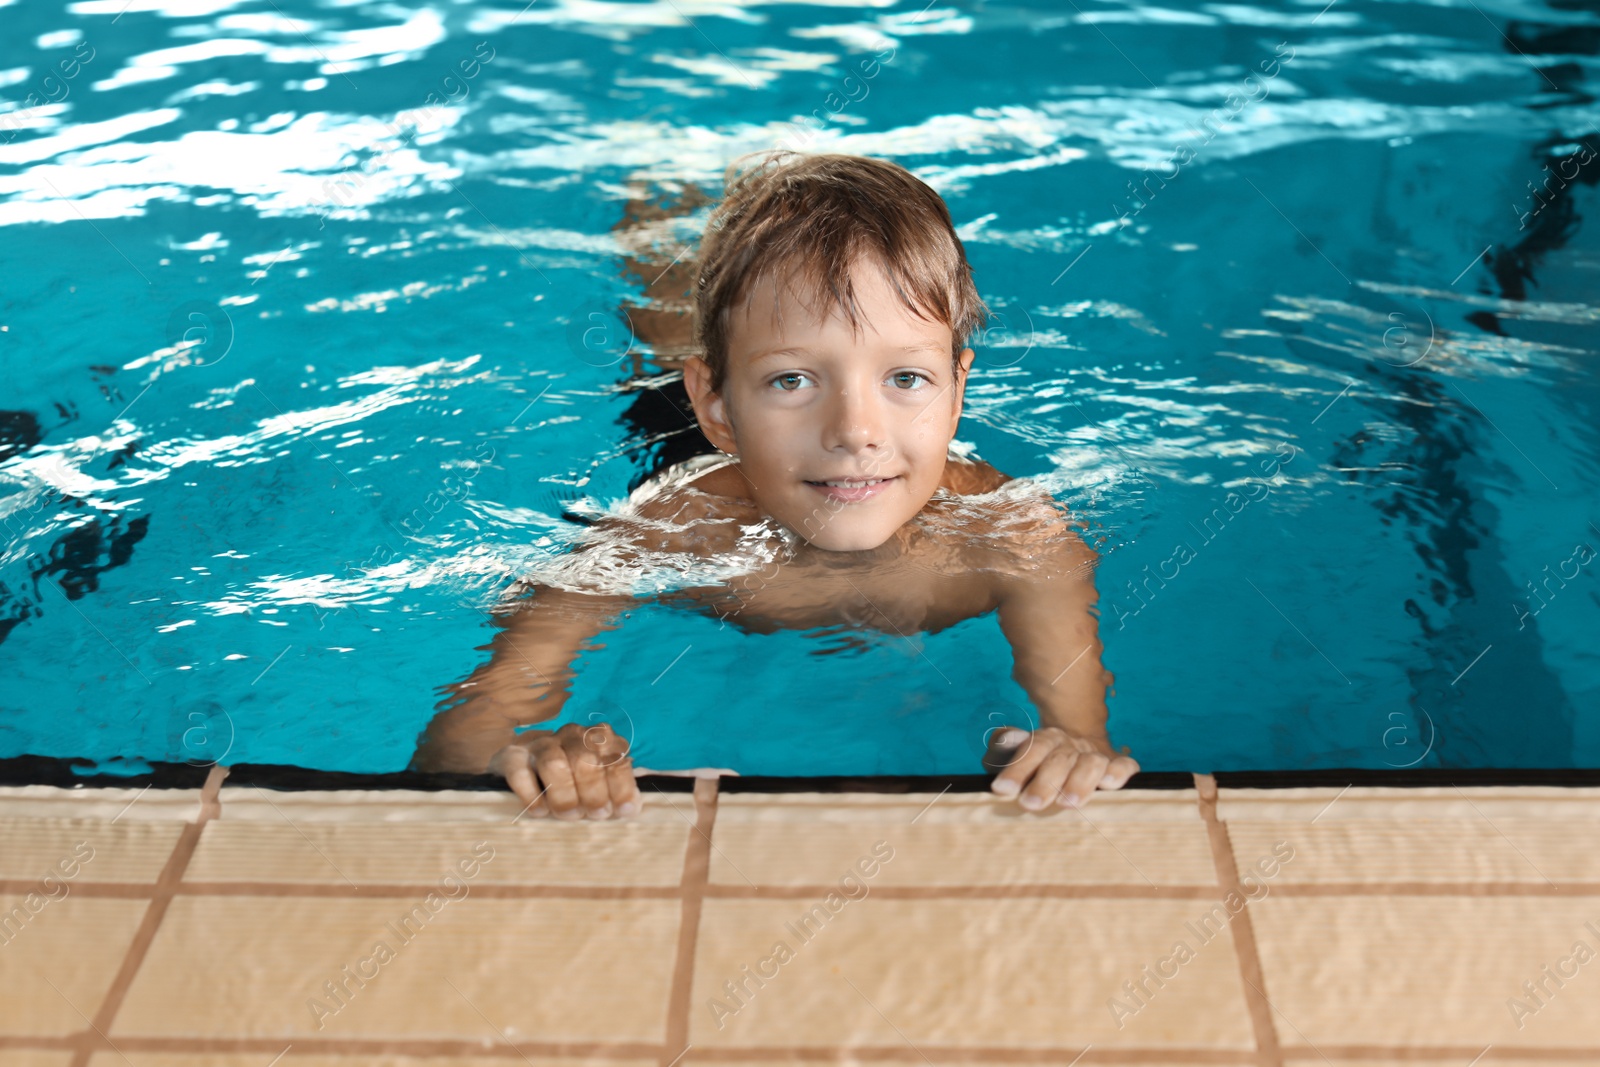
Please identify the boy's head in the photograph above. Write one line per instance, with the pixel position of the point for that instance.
(832, 310)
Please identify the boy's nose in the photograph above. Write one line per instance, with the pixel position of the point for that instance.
(855, 421)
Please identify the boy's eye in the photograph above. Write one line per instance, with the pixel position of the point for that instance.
(907, 379)
(788, 382)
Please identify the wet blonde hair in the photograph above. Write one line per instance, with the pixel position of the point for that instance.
(808, 219)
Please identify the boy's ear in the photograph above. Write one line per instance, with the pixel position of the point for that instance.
(709, 409)
(965, 363)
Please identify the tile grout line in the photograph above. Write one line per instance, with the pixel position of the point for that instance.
(165, 889)
(692, 889)
(211, 792)
(775, 891)
(1269, 1052)
(581, 1053)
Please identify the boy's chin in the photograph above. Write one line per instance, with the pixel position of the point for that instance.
(861, 537)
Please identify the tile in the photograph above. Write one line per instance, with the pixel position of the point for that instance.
(556, 969)
(914, 1060)
(85, 850)
(1434, 851)
(296, 1059)
(1493, 802)
(100, 802)
(1020, 972)
(1295, 1056)
(1140, 838)
(1413, 835)
(645, 851)
(384, 806)
(75, 944)
(1385, 971)
(911, 1058)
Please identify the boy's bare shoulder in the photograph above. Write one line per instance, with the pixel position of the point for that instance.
(717, 494)
(972, 477)
(661, 534)
(725, 482)
(1017, 528)
(701, 516)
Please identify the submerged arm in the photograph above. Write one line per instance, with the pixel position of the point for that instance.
(1049, 617)
(526, 679)
(573, 772)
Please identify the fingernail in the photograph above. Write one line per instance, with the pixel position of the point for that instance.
(605, 812)
(1030, 802)
(1107, 782)
(1070, 800)
(628, 808)
(1005, 787)
(1014, 737)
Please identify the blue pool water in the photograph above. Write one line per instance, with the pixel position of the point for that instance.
(294, 313)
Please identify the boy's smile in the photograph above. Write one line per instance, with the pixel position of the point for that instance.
(851, 490)
(842, 436)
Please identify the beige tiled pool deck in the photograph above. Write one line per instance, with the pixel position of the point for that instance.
(241, 927)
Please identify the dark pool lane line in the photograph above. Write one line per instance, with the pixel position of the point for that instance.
(70, 773)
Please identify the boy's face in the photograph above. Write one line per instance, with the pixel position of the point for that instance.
(807, 402)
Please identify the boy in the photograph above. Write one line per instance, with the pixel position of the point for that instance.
(832, 304)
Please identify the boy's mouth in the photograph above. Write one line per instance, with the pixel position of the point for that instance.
(849, 490)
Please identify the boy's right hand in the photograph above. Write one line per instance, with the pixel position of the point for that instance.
(574, 772)
(1052, 765)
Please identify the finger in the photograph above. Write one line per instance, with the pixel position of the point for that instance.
(594, 798)
(1118, 771)
(607, 745)
(1009, 782)
(1004, 743)
(1046, 781)
(517, 770)
(624, 788)
(560, 791)
(1085, 777)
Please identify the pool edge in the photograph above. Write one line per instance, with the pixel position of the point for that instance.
(78, 772)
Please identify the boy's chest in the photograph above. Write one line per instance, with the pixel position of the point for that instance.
(903, 597)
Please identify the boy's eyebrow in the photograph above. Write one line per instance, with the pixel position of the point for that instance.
(793, 350)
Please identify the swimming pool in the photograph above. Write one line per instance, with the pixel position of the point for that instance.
(311, 344)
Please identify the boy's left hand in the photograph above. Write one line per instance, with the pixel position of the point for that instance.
(1051, 765)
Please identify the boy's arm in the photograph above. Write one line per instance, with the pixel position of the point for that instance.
(571, 773)
(526, 679)
(1049, 618)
